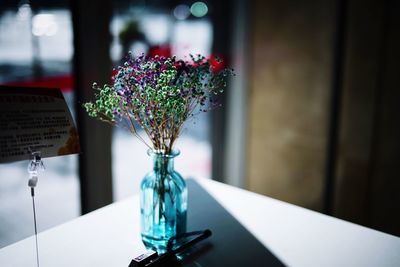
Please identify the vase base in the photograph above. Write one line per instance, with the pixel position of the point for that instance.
(159, 245)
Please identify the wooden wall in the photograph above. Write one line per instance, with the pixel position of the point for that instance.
(291, 58)
(288, 99)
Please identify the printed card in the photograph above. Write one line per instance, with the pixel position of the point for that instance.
(35, 119)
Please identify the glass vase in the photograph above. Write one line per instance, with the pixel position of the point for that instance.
(163, 202)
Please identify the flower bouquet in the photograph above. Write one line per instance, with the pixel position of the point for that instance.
(160, 94)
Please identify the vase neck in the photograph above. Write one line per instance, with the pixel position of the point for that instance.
(162, 164)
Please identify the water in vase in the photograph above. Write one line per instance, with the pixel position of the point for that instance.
(163, 203)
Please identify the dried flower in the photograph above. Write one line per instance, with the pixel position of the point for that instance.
(160, 94)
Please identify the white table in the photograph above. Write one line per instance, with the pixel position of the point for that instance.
(110, 236)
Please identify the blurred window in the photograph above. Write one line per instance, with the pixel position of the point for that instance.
(36, 50)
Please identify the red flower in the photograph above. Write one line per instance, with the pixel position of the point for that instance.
(217, 63)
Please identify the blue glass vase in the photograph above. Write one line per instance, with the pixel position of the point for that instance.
(163, 202)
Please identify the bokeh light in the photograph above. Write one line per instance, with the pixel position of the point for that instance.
(199, 9)
(181, 12)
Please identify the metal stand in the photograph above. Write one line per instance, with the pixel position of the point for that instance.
(35, 165)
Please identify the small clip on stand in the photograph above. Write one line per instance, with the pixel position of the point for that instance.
(34, 166)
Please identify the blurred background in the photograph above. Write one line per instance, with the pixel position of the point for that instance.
(311, 116)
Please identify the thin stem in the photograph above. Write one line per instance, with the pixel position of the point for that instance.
(134, 129)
